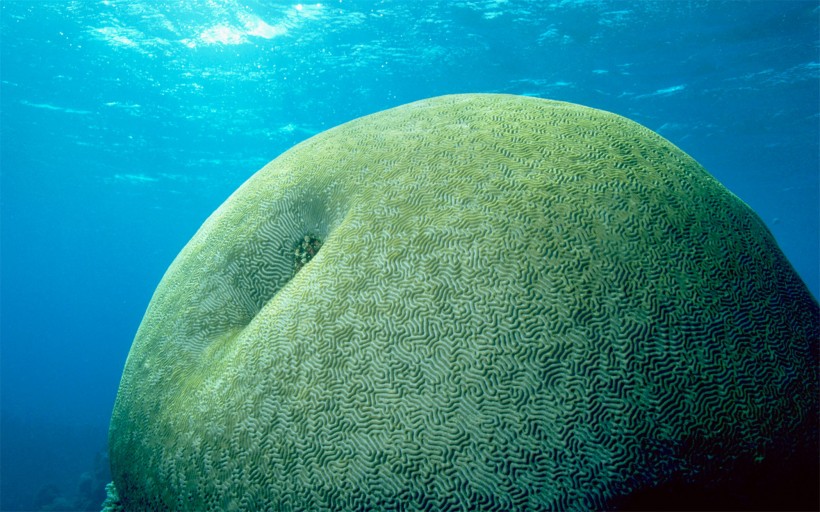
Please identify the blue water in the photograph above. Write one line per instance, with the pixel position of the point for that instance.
(125, 123)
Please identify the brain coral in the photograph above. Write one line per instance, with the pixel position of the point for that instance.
(509, 303)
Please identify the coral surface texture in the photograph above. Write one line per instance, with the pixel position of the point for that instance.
(472, 301)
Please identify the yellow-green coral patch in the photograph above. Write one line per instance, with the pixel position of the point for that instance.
(517, 303)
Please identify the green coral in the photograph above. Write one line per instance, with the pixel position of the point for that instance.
(518, 304)
(112, 501)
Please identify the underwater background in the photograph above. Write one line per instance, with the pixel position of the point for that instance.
(124, 124)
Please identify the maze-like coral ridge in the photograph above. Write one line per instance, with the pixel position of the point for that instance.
(517, 304)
